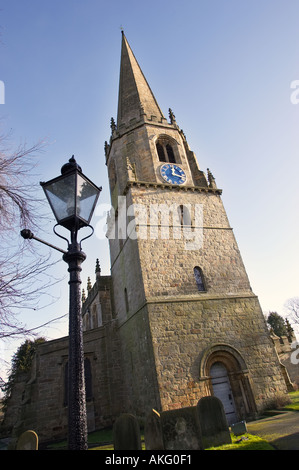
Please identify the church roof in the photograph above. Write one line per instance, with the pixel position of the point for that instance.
(135, 95)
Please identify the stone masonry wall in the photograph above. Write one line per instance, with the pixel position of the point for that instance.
(38, 402)
(167, 263)
(139, 388)
(185, 322)
(183, 329)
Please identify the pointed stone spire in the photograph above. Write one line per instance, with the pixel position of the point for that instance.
(89, 286)
(135, 96)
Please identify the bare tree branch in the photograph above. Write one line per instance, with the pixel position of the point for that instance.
(25, 276)
(292, 309)
(18, 201)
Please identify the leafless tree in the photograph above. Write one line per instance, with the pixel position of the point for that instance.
(292, 309)
(24, 271)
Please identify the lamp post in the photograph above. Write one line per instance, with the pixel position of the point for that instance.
(73, 197)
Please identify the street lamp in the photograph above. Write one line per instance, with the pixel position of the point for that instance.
(73, 197)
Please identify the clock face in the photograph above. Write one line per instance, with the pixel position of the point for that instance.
(173, 174)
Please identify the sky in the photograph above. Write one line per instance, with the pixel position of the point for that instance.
(229, 70)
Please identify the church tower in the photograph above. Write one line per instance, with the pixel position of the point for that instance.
(188, 322)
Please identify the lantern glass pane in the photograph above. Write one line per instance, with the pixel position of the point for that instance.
(86, 198)
(61, 195)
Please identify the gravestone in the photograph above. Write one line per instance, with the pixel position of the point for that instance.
(27, 441)
(153, 436)
(239, 428)
(213, 422)
(126, 433)
(181, 429)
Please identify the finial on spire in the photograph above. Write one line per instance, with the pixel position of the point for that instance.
(211, 179)
(89, 286)
(83, 296)
(171, 116)
(112, 125)
(98, 268)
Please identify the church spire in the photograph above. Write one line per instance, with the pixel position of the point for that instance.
(135, 96)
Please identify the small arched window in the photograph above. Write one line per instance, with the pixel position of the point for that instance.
(199, 279)
(184, 215)
(112, 175)
(126, 300)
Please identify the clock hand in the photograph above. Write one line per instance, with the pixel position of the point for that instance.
(174, 173)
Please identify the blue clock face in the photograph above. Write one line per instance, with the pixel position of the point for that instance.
(173, 174)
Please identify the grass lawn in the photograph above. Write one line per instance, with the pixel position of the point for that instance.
(245, 442)
(294, 405)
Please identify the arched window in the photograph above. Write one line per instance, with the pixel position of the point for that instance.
(170, 153)
(165, 150)
(88, 379)
(161, 153)
(94, 317)
(199, 279)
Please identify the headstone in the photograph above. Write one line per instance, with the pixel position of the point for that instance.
(213, 422)
(153, 436)
(239, 428)
(126, 433)
(181, 429)
(27, 441)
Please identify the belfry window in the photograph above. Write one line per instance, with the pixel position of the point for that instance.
(199, 279)
(165, 151)
(170, 153)
(161, 153)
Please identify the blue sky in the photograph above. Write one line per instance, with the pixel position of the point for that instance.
(225, 67)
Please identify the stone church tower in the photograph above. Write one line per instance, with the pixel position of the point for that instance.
(177, 319)
(188, 321)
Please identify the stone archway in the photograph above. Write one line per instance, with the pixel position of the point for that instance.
(237, 372)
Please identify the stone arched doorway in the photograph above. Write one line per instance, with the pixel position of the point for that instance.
(226, 376)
